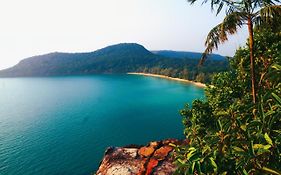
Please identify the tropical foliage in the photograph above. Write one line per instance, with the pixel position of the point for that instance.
(238, 13)
(228, 133)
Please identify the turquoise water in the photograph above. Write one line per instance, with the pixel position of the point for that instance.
(63, 125)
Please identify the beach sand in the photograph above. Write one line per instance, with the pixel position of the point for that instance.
(202, 85)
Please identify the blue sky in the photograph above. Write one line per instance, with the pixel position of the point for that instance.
(33, 27)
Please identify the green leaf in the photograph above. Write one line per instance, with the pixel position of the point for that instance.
(213, 163)
(270, 171)
(278, 99)
(258, 146)
(277, 131)
(191, 149)
(191, 169)
(198, 167)
(262, 110)
(261, 146)
(243, 127)
(268, 139)
(267, 147)
(237, 149)
(173, 145)
(181, 161)
(190, 154)
(205, 149)
(276, 66)
(220, 126)
(251, 148)
(245, 172)
(240, 164)
(195, 157)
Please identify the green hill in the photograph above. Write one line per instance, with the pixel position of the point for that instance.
(120, 58)
(184, 54)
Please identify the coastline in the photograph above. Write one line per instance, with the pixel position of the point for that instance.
(202, 85)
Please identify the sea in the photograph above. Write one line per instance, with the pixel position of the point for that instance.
(63, 125)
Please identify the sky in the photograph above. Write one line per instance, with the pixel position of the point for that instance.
(34, 27)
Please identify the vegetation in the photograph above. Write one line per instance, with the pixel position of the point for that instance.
(120, 58)
(188, 55)
(186, 69)
(228, 133)
(238, 13)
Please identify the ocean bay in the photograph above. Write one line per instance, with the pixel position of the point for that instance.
(62, 125)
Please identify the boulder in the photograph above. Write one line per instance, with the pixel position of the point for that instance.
(155, 158)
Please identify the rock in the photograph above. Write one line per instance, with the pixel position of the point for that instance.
(154, 144)
(120, 161)
(143, 167)
(155, 158)
(146, 151)
(121, 170)
(162, 152)
(165, 168)
(151, 165)
(132, 152)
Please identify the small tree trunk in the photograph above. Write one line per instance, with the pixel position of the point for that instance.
(251, 46)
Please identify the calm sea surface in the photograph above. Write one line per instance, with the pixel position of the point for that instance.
(62, 125)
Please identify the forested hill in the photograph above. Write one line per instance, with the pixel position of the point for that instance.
(184, 54)
(120, 58)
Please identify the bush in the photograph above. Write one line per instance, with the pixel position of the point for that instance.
(227, 133)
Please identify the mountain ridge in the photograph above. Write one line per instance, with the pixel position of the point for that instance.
(186, 54)
(119, 58)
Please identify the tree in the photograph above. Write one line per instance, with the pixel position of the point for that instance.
(238, 13)
(185, 73)
(200, 77)
(223, 136)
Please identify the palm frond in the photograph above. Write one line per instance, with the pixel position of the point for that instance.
(191, 1)
(230, 5)
(219, 34)
(266, 15)
(264, 3)
(217, 5)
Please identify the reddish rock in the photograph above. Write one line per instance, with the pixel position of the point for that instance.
(162, 152)
(153, 159)
(146, 151)
(151, 165)
(121, 161)
(164, 168)
(143, 167)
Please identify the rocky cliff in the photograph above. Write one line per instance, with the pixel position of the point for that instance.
(156, 158)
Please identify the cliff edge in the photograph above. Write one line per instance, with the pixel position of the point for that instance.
(156, 158)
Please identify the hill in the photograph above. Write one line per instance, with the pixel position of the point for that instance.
(113, 59)
(120, 58)
(184, 54)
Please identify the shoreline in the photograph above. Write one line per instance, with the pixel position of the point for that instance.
(202, 85)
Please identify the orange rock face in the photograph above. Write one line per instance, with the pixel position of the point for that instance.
(154, 159)
(151, 165)
(162, 152)
(146, 151)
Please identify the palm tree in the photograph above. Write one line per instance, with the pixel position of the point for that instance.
(239, 13)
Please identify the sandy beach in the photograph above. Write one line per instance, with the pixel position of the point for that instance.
(202, 85)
